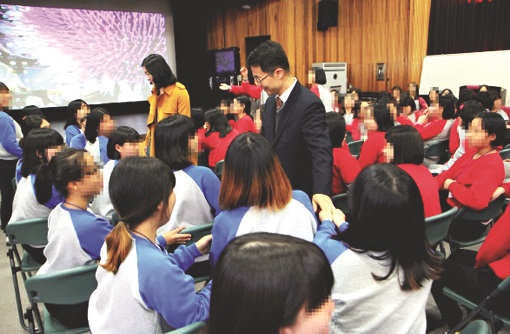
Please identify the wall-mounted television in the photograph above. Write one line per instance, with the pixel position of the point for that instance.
(225, 61)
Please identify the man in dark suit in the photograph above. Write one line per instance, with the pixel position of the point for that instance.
(294, 123)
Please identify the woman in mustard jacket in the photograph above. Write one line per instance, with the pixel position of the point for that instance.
(168, 98)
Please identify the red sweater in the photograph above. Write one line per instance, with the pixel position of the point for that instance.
(247, 89)
(454, 137)
(345, 169)
(217, 146)
(495, 250)
(428, 190)
(372, 149)
(475, 179)
(354, 129)
(431, 129)
(404, 121)
(244, 124)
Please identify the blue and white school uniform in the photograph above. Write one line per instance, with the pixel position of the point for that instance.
(363, 304)
(75, 238)
(196, 198)
(10, 135)
(26, 206)
(149, 283)
(296, 219)
(97, 149)
(102, 205)
(71, 132)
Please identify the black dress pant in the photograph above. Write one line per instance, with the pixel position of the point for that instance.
(475, 284)
(7, 173)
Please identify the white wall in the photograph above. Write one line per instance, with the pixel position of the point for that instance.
(456, 70)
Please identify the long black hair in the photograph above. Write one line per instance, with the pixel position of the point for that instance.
(388, 222)
(72, 109)
(34, 149)
(217, 123)
(93, 122)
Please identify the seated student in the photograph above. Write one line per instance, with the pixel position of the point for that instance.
(404, 148)
(197, 188)
(396, 92)
(256, 196)
(29, 123)
(408, 114)
(75, 235)
(465, 116)
(434, 96)
(382, 263)
(476, 275)
(218, 136)
(345, 166)
(245, 88)
(77, 110)
(485, 99)
(98, 127)
(241, 111)
(26, 112)
(414, 93)
(124, 142)
(446, 91)
(138, 281)
(10, 152)
(474, 177)
(271, 283)
(377, 122)
(435, 124)
(497, 105)
(350, 114)
(39, 146)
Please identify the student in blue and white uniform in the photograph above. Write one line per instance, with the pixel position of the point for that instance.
(10, 152)
(98, 127)
(31, 200)
(382, 263)
(256, 196)
(77, 110)
(138, 281)
(124, 142)
(75, 235)
(197, 188)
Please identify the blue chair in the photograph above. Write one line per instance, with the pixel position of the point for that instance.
(66, 287)
(32, 232)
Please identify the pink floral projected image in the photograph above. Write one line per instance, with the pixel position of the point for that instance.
(51, 56)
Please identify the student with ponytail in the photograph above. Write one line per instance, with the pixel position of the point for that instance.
(75, 235)
(138, 281)
(35, 197)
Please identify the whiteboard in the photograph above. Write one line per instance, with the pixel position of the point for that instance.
(455, 70)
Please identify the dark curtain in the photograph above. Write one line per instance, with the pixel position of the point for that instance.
(458, 26)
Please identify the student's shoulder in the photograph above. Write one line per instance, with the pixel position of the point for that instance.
(229, 216)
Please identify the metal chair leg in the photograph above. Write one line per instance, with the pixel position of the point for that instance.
(13, 254)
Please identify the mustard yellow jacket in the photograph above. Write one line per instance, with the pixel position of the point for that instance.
(174, 100)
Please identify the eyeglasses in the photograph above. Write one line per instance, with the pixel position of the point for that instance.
(265, 76)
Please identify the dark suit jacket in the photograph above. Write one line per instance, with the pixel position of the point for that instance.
(301, 141)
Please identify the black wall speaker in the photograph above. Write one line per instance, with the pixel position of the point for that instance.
(328, 14)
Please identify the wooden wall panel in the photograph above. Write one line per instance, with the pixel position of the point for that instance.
(394, 32)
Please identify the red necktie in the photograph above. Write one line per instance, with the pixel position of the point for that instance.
(279, 102)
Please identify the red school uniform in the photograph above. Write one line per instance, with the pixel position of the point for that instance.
(428, 189)
(372, 149)
(217, 146)
(345, 169)
(244, 124)
(475, 179)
